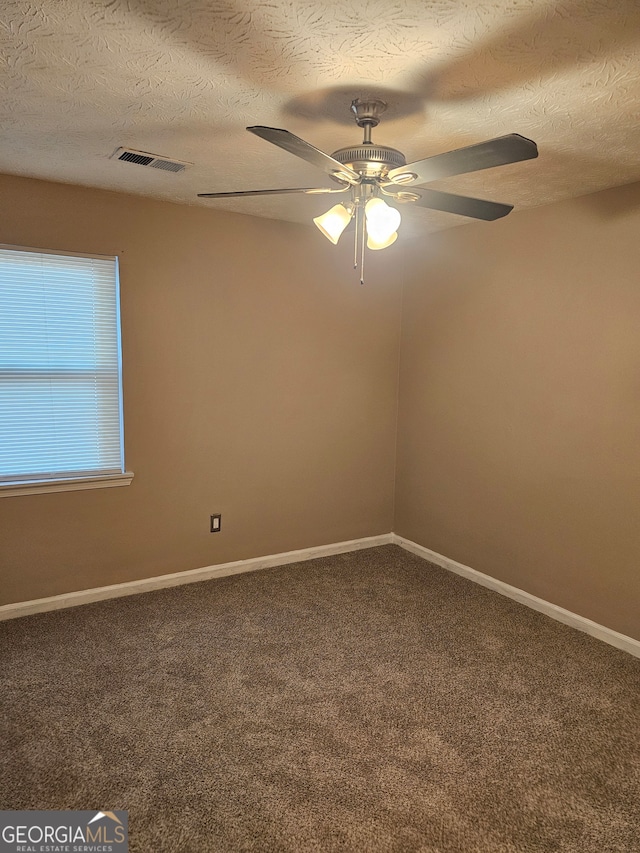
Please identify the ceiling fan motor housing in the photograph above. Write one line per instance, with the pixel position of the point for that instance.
(369, 160)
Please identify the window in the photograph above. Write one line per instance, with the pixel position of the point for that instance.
(60, 375)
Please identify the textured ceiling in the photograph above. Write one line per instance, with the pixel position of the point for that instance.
(183, 79)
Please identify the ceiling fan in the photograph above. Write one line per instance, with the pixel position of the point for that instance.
(369, 173)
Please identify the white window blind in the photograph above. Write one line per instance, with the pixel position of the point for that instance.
(60, 376)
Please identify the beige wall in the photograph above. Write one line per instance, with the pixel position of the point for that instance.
(260, 381)
(519, 426)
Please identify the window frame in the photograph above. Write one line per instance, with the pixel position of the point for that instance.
(73, 481)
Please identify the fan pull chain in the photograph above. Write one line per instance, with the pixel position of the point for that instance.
(363, 228)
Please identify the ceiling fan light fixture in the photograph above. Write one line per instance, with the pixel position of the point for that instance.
(334, 221)
(382, 222)
(369, 171)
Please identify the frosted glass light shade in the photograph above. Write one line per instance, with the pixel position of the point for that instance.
(382, 223)
(372, 243)
(334, 221)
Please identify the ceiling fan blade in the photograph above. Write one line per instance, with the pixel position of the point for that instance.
(485, 155)
(294, 145)
(477, 208)
(307, 190)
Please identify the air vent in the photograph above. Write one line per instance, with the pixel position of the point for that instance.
(143, 158)
(130, 157)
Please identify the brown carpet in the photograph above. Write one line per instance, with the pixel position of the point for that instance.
(364, 702)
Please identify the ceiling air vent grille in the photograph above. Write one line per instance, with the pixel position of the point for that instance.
(143, 158)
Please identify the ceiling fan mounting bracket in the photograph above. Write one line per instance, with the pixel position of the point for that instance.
(368, 160)
(368, 112)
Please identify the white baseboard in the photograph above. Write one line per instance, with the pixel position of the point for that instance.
(86, 596)
(118, 590)
(607, 635)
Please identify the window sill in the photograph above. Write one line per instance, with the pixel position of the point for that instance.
(38, 487)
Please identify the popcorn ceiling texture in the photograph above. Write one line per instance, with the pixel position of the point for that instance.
(183, 80)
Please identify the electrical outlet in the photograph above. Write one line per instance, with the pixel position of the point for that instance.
(216, 523)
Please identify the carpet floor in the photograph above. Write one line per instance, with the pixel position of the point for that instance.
(362, 702)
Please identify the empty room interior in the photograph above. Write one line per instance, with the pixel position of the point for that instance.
(321, 538)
